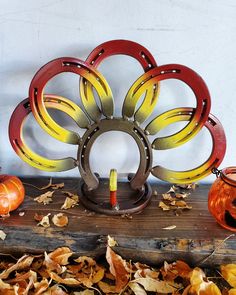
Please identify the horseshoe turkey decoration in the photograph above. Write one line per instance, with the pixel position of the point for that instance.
(138, 106)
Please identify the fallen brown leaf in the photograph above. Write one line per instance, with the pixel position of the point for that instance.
(51, 185)
(45, 198)
(61, 255)
(60, 220)
(66, 281)
(163, 206)
(38, 217)
(56, 274)
(170, 227)
(152, 285)
(118, 268)
(69, 203)
(41, 286)
(111, 241)
(2, 235)
(45, 221)
(22, 264)
(228, 272)
(200, 285)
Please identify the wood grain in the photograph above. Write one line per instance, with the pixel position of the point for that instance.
(141, 238)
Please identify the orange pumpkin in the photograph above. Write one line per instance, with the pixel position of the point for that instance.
(222, 198)
(12, 193)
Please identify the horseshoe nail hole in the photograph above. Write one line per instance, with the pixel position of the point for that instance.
(174, 71)
(234, 202)
(211, 122)
(162, 72)
(92, 62)
(26, 105)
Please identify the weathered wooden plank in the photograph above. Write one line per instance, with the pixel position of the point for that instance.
(141, 238)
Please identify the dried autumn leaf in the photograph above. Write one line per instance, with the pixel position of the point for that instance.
(170, 227)
(199, 285)
(98, 276)
(51, 185)
(71, 195)
(69, 203)
(52, 265)
(45, 198)
(182, 195)
(176, 269)
(127, 216)
(118, 268)
(40, 287)
(85, 261)
(137, 289)
(171, 190)
(228, 272)
(45, 221)
(107, 288)
(29, 275)
(55, 290)
(38, 217)
(146, 273)
(57, 185)
(152, 285)
(4, 286)
(22, 264)
(111, 241)
(168, 197)
(67, 281)
(190, 186)
(181, 204)
(85, 292)
(60, 220)
(2, 235)
(163, 206)
(61, 255)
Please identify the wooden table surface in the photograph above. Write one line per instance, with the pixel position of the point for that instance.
(141, 238)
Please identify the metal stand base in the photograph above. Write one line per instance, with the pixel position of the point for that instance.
(129, 200)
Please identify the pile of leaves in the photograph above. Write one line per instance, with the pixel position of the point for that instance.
(175, 198)
(60, 273)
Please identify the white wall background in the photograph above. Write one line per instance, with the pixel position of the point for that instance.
(199, 34)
